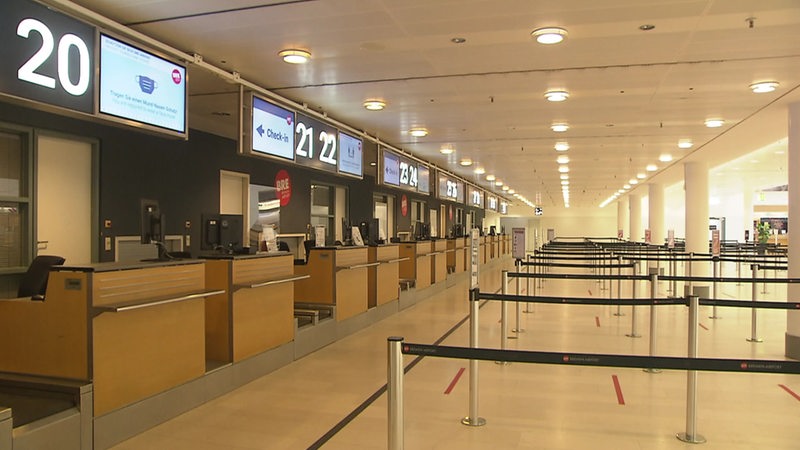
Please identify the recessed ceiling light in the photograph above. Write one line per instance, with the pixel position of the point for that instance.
(665, 157)
(641, 176)
(651, 168)
(633, 181)
(466, 162)
(562, 146)
(563, 159)
(506, 188)
(685, 143)
(559, 127)
(549, 35)
(490, 178)
(418, 132)
(446, 150)
(764, 86)
(714, 123)
(621, 191)
(374, 104)
(373, 164)
(563, 169)
(556, 96)
(479, 171)
(564, 176)
(295, 56)
(512, 192)
(498, 183)
(565, 182)
(627, 186)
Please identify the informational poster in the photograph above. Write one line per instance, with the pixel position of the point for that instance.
(319, 236)
(351, 159)
(671, 239)
(620, 233)
(518, 243)
(715, 244)
(273, 129)
(647, 236)
(474, 240)
(551, 235)
(356, 234)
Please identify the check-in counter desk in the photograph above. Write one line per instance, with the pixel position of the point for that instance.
(506, 244)
(256, 311)
(484, 249)
(418, 265)
(384, 274)
(134, 330)
(438, 260)
(495, 246)
(459, 255)
(338, 277)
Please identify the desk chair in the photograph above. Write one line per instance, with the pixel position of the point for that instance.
(283, 246)
(34, 282)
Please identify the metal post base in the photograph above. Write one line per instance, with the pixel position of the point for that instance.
(527, 312)
(619, 314)
(696, 439)
(517, 330)
(479, 422)
(715, 317)
(631, 335)
(651, 370)
(755, 340)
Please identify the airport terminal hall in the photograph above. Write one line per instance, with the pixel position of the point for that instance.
(399, 224)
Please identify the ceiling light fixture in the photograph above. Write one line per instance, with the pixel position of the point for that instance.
(490, 178)
(563, 159)
(506, 188)
(633, 181)
(641, 176)
(418, 132)
(714, 123)
(549, 35)
(685, 143)
(627, 186)
(498, 183)
(562, 146)
(565, 182)
(764, 86)
(374, 104)
(559, 127)
(295, 56)
(466, 162)
(651, 168)
(564, 176)
(447, 150)
(563, 169)
(666, 157)
(512, 192)
(556, 96)
(479, 171)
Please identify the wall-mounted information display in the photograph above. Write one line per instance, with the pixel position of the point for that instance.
(503, 208)
(351, 155)
(271, 129)
(474, 197)
(316, 144)
(400, 171)
(450, 188)
(46, 56)
(492, 203)
(141, 88)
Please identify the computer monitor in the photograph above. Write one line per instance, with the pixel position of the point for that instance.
(370, 231)
(209, 231)
(151, 223)
(231, 232)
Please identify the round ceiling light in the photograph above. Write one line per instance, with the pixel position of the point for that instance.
(563, 159)
(506, 188)
(479, 171)
(556, 96)
(498, 183)
(563, 169)
(490, 178)
(446, 150)
(295, 56)
(714, 123)
(666, 157)
(565, 182)
(564, 176)
(559, 127)
(549, 35)
(764, 86)
(627, 186)
(641, 176)
(418, 132)
(562, 146)
(374, 104)
(466, 162)
(685, 143)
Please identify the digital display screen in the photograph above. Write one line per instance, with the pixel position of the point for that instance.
(351, 159)
(424, 175)
(503, 208)
(475, 197)
(451, 189)
(491, 203)
(315, 144)
(391, 169)
(140, 86)
(272, 129)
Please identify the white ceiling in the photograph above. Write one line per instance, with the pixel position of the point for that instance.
(633, 93)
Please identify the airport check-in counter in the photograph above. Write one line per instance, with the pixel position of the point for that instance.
(459, 255)
(495, 252)
(338, 278)
(438, 260)
(418, 266)
(133, 330)
(255, 313)
(484, 248)
(384, 274)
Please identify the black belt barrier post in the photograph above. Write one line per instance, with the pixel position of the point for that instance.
(503, 317)
(634, 282)
(619, 287)
(691, 435)
(716, 267)
(473, 419)
(518, 264)
(394, 393)
(754, 311)
(653, 319)
(528, 285)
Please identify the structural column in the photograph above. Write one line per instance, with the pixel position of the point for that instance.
(656, 213)
(622, 215)
(695, 176)
(793, 294)
(636, 217)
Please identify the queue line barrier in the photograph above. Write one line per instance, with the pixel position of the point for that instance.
(653, 364)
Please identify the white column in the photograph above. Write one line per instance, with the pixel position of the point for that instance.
(655, 193)
(695, 176)
(793, 290)
(622, 215)
(636, 217)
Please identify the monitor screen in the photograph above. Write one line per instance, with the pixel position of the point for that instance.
(231, 232)
(140, 87)
(150, 226)
(272, 129)
(351, 158)
(391, 169)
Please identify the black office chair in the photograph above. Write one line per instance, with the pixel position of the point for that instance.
(283, 246)
(308, 245)
(33, 283)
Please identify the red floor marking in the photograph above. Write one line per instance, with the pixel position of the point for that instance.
(597, 320)
(791, 392)
(453, 383)
(703, 326)
(618, 388)
(590, 292)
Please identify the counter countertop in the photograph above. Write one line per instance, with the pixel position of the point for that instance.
(114, 266)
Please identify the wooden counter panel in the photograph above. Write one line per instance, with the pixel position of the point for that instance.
(423, 247)
(386, 253)
(408, 269)
(460, 259)
(47, 338)
(142, 352)
(388, 283)
(262, 269)
(218, 344)
(439, 245)
(351, 293)
(438, 267)
(423, 275)
(318, 288)
(137, 284)
(263, 318)
(351, 256)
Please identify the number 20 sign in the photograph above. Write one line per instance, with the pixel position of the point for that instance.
(46, 56)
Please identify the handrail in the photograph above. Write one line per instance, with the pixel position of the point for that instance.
(130, 306)
(392, 261)
(360, 266)
(271, 282)
(436, 253)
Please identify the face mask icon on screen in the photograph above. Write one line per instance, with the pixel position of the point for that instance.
(146, 84)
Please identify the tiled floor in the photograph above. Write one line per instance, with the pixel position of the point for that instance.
(526, 406)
